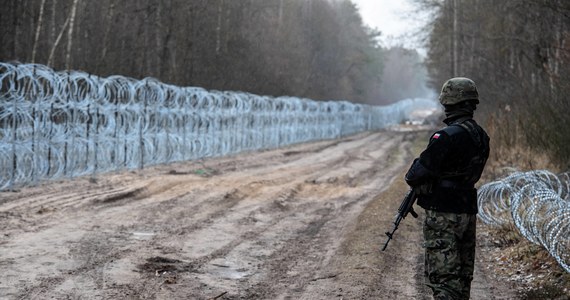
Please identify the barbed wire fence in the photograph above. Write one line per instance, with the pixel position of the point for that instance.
(538, 203)
(67, 124)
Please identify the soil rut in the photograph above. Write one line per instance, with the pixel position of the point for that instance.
(303, 222)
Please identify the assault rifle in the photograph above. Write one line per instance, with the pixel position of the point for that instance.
(405, 208)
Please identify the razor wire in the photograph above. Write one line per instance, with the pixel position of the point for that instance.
(538, 203)
(67, 124)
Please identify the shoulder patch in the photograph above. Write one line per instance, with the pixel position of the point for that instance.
(436, 136)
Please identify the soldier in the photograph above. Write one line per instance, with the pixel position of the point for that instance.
(444, 177)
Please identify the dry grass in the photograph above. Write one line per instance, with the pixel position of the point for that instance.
(520, 158)
(529, 268)
(510, 150)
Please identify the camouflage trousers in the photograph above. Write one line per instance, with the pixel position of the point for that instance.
(449, 241)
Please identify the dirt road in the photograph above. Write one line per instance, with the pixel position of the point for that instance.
(304, 222)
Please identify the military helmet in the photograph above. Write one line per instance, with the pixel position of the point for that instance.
(457, 90)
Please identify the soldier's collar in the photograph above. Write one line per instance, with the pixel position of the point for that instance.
(457, 119)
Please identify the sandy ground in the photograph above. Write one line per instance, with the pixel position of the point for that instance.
(303, 222)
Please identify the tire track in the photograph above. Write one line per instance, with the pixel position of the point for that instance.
(254, 226)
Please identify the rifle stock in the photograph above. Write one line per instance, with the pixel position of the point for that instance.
(405, 208)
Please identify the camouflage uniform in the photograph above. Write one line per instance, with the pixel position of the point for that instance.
(444, 178)
(449, 253)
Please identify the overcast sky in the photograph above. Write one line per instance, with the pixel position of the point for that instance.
(394, 18)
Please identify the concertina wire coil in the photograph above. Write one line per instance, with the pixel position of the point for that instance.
(67, 124)
(537, 203)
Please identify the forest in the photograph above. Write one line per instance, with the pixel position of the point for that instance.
(316, 49)
(518, 52)
(168, 88)
(515, 50)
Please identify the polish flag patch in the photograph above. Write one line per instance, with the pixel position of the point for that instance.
(436, 136)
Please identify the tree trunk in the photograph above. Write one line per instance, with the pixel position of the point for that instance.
(161, 47)
(38, 29)
(56, 43)
(53, 22)
(475, 30)
(108, 25)
(147, 70)
(455, 40)
(16, 33)
(70, 35)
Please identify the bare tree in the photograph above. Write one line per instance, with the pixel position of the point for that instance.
(38, 28)
(317, 48)
(514, 50)
(56, 43)
(70, 34)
